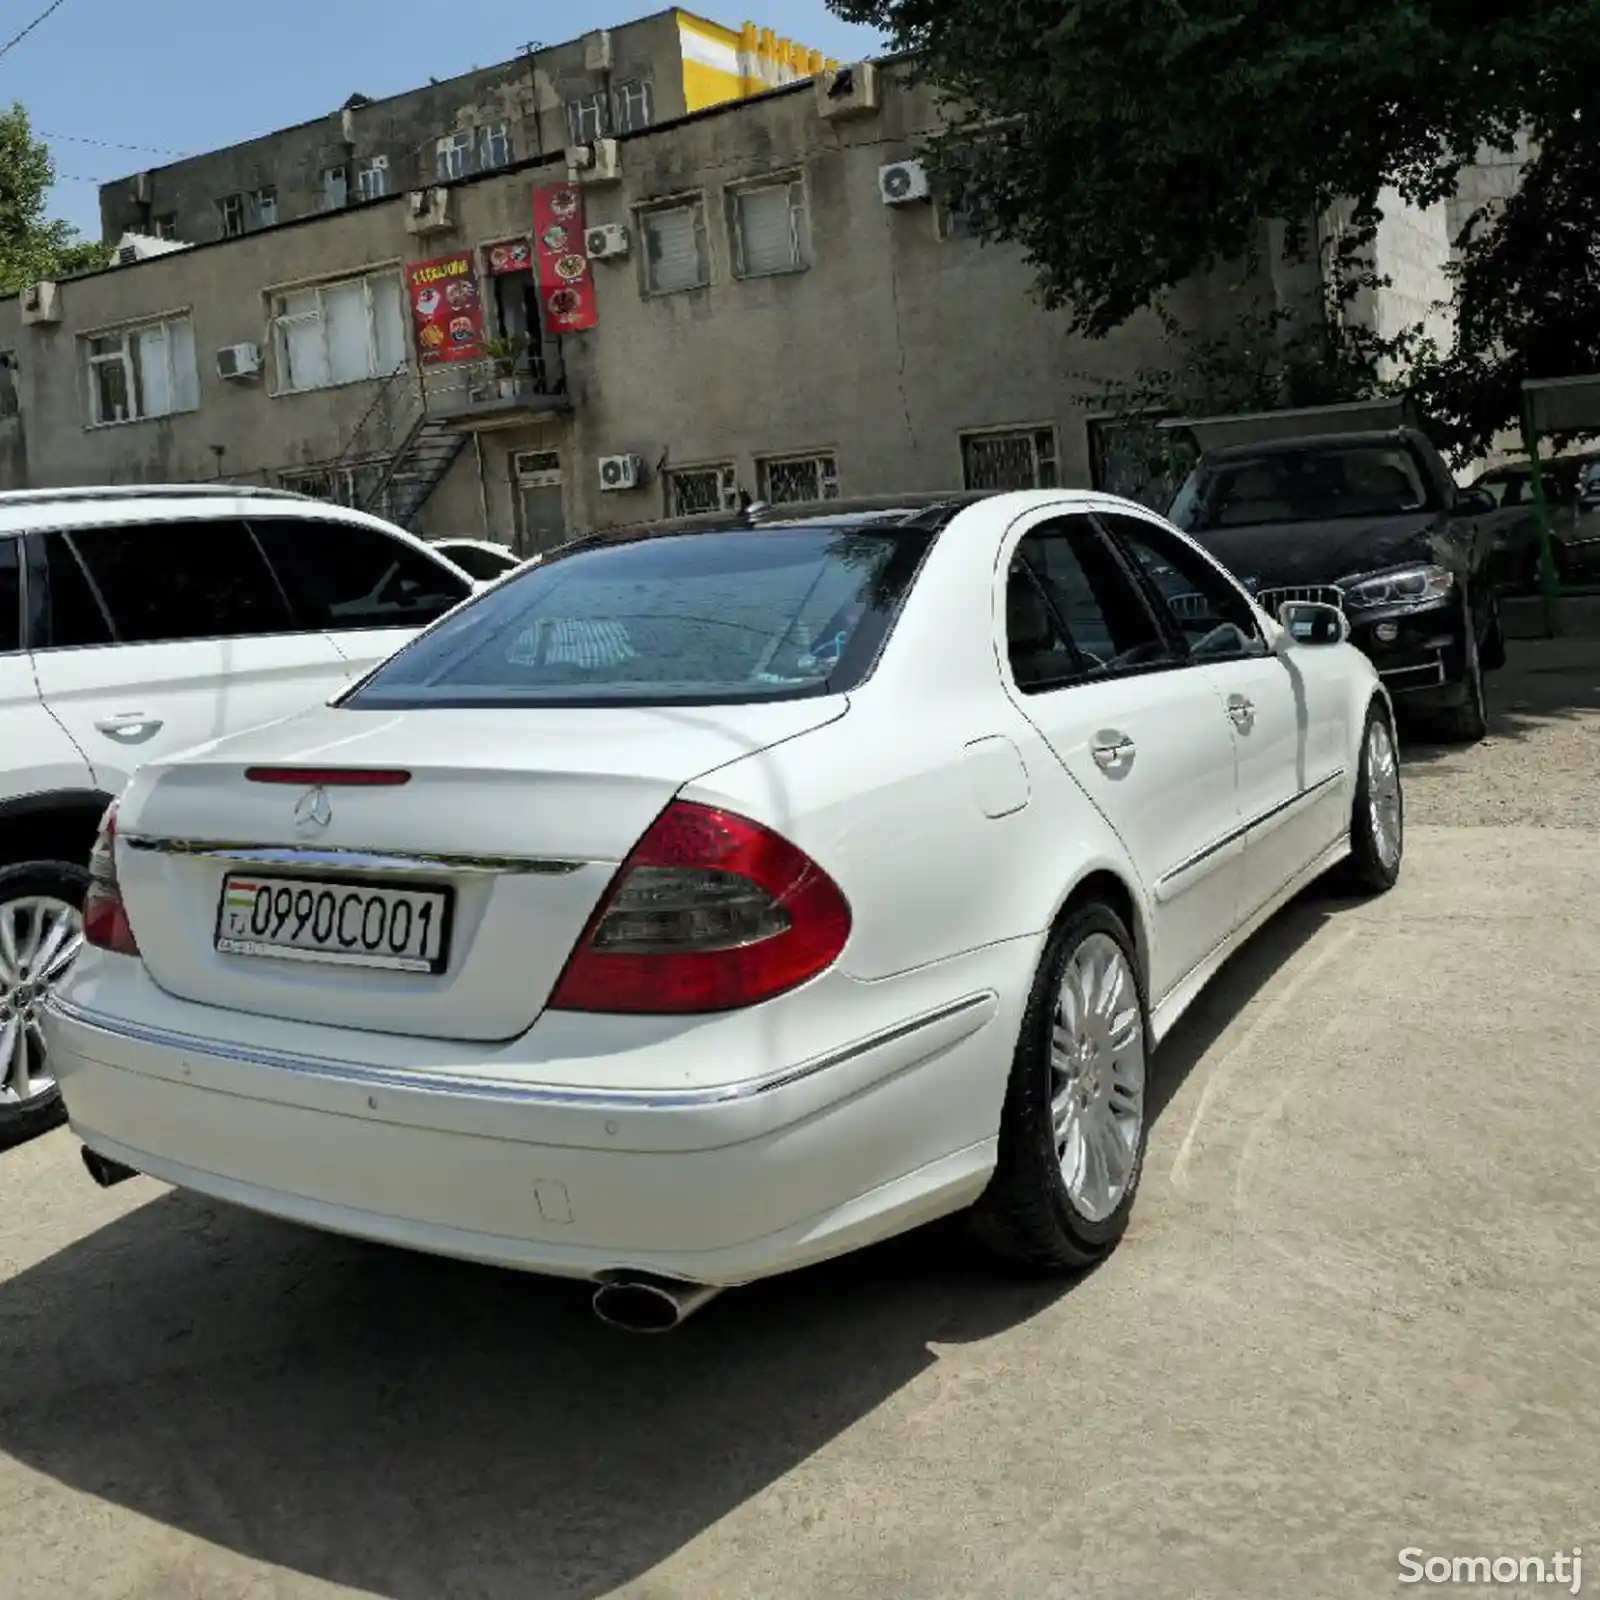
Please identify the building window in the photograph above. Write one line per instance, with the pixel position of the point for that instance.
(372, 178)
(359, 485)
(1023, 458)
(454, 153)
(335, 188)
(586, 118)
(230, 208)
(675, 254)
(164, 227)
(694, 491)
(339, 332)
(139, 372)
(787, 479)
(954, 222)
(634, 104)
(769, 229)
(494, 147)
(264, 202)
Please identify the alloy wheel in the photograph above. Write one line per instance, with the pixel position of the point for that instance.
(40, 938)
(1097, 1066)
(1385, 815)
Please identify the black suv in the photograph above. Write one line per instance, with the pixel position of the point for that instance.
(1372, 523)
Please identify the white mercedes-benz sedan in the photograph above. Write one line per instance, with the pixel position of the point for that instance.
(709, 900)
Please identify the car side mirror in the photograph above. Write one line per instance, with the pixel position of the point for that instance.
(1474, 502)
(1310, 622)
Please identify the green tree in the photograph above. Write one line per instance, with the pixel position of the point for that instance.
(32, 247)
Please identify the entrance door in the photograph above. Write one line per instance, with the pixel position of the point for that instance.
(541, 505)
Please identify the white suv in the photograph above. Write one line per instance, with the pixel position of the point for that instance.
(136, 622)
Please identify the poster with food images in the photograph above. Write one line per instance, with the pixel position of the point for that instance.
(566, 277)
(514, 255)
(446, 308)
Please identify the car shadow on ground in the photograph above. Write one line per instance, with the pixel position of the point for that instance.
(414, 1427)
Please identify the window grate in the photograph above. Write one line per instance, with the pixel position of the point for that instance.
(1025, 459)
(794, 479)
(695, 491)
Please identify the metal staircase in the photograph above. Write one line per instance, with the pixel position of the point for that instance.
(415, 470)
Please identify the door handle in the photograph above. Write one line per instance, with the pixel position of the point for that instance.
(1242, 711)
(130, 727)
(1112, 755)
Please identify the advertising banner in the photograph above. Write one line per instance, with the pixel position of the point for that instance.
(447, 308)
(512, 255)
(566, 284)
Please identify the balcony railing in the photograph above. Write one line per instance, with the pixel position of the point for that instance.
(494, 389)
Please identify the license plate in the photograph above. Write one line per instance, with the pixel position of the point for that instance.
(336, 924)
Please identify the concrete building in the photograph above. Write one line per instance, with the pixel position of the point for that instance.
(613, 81)
(778, 309)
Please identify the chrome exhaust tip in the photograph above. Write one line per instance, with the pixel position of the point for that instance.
(638, 1303)
(106, 1172)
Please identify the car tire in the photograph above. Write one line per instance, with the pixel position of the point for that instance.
(1493, 654)
(1468, 722)
(27, 893)
(1377, 818)
(1077, 1099)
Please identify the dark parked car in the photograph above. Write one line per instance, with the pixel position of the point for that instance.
(1372, 523)
(1572, 500)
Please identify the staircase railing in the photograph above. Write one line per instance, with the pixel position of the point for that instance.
(385, 430)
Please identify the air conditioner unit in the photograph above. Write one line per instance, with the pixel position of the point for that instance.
(621, 472)
(606, 241)
(133, 247)
(901, 182)
(597, 51)
(851, 91)
(239, 361)
(428, 211)
(600, 162)
(41, 302)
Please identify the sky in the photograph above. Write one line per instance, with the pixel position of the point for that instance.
(178, 77)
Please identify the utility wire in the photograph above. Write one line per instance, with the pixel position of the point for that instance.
(48, 12)
(108, 144)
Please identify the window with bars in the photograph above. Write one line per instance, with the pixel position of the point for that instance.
(372, 178)
(339, 332)
(694, 491)
(790, 479)
(586, 118)
(454, 155)
(634, 105)
(675, 252)
(355, 484)
(230, 212)
(769, 229)
(335, 188)
(1021, 459)
(139, 372)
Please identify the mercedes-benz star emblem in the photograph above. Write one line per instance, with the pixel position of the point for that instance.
(313, 810)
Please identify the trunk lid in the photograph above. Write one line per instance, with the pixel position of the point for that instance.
(519, 817)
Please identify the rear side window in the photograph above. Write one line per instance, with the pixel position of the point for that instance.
(734, 616)
(67, 612)
(163, 582)
(10, 596)
(343, 577)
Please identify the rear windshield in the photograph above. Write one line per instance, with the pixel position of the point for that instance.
(1320, 485)
(704, 618)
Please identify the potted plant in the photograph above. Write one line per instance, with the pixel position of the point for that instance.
(503, 354)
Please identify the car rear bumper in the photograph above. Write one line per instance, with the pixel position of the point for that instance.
(718, 1184)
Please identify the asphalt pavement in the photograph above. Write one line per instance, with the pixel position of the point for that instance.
(1357, 1313)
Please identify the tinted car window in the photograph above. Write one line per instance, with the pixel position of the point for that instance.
(10, 596)
(1098, 621)
(673, 619)
(1317, 484)
(342, 577)
(1203, 608)
(182, 580)
(67, 613)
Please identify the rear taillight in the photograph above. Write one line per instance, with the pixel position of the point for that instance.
(709, 913)
(105, 921)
